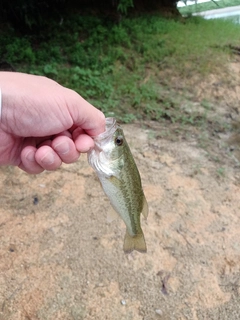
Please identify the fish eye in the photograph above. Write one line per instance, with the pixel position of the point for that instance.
(119, 140)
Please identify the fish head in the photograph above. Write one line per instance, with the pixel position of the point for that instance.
(111, 142)
(109, 148)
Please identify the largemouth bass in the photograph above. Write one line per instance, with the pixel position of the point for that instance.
(113, 162)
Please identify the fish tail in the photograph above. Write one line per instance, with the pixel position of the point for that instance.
(136, 242)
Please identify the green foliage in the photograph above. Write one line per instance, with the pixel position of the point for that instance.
(124, 5)
(117, 66)
(24, 55)
(50, 70)
(90, 80)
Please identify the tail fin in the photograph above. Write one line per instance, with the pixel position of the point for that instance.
(134, 243)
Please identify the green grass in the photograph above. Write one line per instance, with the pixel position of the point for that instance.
(117, 67)
(211, 5)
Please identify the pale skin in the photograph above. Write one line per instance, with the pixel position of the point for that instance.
(43, 124)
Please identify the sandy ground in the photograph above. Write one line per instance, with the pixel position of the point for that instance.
(61, 259)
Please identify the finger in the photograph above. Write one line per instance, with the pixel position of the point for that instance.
(76, 132)
(45, 143)
(47, 158)
(48, 140)
(66, 133)
(28, 161)
(86, 116)
(66, 149)
(83, 142)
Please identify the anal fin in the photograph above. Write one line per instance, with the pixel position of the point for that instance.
(145, 207)
(111, 214)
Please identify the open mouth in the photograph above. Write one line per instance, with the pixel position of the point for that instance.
(111, 126)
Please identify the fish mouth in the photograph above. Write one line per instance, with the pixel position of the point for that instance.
(111, 126)
(96, 155)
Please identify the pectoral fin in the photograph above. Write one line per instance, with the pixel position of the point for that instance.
(115, 180)
(134, 243)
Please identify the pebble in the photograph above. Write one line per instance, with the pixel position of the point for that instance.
(123, 302)
(159, 312)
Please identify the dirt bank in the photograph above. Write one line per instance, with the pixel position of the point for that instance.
(61, 259)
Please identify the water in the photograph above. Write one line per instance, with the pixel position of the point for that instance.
(191, 2)
(227, 15)
(232, 13)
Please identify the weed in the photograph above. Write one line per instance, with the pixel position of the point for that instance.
(127, 118)
(50, 70)
(203, 140)
(18, 51)
(206, 105)
(221, 172)
(151, 134)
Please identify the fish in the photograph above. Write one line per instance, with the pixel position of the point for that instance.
(113, 162)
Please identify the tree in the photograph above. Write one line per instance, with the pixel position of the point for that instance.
(125, 6)
(34, 14)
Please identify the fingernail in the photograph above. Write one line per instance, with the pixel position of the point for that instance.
(30, 156)
(48, 158)
(62, 147)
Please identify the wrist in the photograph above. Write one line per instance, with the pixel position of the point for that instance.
(8, 101)
(0, 103)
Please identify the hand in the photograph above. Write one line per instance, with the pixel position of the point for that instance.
(43, 124)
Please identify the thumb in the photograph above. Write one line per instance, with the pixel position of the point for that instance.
(86, 116)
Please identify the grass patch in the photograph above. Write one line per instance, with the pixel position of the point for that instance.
(117, 67)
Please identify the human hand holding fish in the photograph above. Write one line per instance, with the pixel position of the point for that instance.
(114, 164)
(42, 123)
